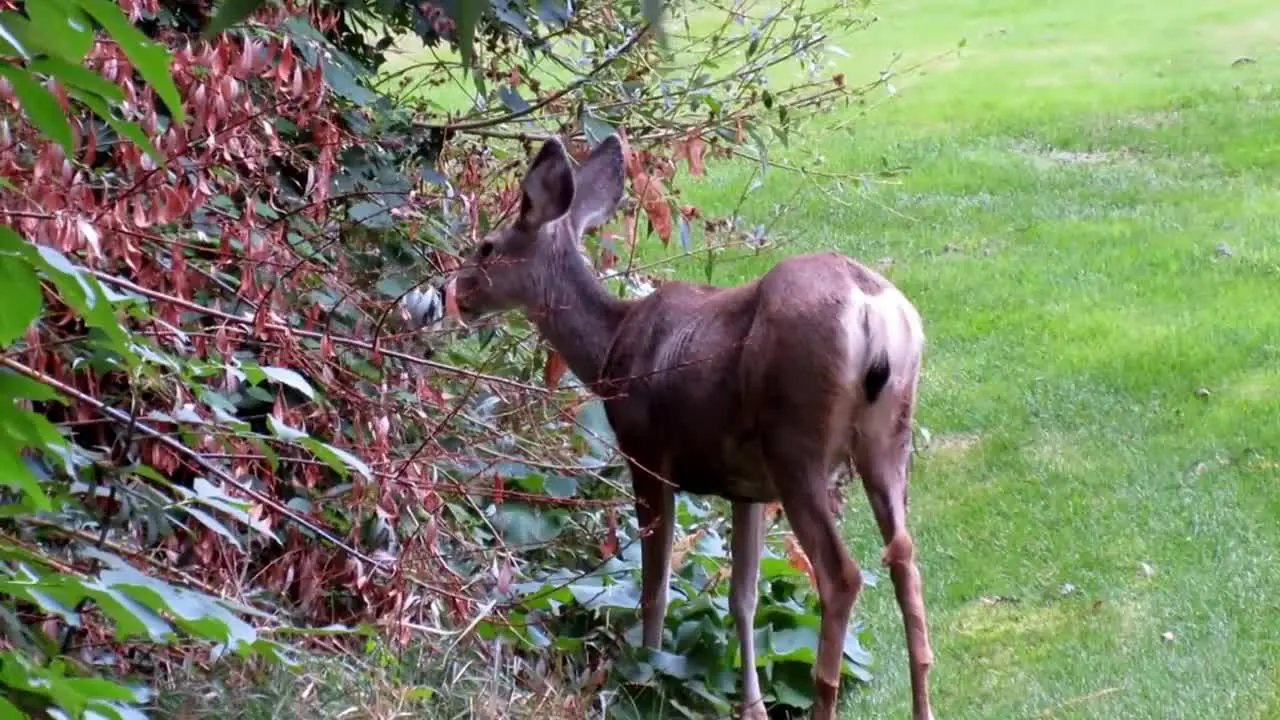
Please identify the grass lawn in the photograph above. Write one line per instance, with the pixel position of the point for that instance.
(1091, 230)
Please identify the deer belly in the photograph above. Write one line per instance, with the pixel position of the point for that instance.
(732, 474)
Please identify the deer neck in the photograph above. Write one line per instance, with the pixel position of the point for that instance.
(578, 316)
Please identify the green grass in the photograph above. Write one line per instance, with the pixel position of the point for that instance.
(1073, 173)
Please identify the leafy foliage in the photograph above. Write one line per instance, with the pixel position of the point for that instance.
(229, 415)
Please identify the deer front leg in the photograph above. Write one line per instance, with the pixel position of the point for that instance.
(655, 509)
(748, 536)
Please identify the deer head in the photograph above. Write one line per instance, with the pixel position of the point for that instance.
(515, 266)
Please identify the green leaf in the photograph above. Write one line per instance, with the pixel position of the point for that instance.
(14, 472)
(291, 378)
(800, 643)
(336, 457)
(283, 431)
(130, 617)
(102, 689)
(40, 106)
(597, 130)
(792, 685)
(59, 29)
(370, 214)
(593, 426)
(214, 524)
(231, 12)
(14, 31)
(676, 666)
(511, 98)
(78, 77)
(83, 293)
(22, 298)
(466, 17)
(522, 525)
(560, 486)
(653, 15)
(150, 59)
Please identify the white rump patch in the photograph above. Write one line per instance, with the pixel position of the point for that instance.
(885, 323)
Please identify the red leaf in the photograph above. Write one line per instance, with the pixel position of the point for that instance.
(693, 149)
(652, 198)
(798, 560)
(609, 546)
(553, 370)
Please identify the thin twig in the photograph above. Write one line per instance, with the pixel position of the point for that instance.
(533, 108)
(337, 339)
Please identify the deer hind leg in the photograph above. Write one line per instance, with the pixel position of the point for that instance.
(802, 484)
(882, 459)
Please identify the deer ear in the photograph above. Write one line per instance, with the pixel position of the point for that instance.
(599, 183)
(548, 186)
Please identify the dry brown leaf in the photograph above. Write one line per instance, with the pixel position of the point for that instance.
(652, 198)
(629, 228)
(553, 370)
(694, 147)
(609, 546)
(798, 560)
(683, 546)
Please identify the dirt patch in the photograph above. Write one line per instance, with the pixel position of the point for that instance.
(953, 443)
(1155, 120)
(1050, 156)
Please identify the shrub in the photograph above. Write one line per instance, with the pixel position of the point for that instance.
(230, 423)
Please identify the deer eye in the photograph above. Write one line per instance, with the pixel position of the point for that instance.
(485, 249)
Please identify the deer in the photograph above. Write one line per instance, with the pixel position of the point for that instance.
(755, 393)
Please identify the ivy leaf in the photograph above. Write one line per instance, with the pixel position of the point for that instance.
(521, 525)
(231, 12)
(149, 58)
(40, 106)
(799, 643)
